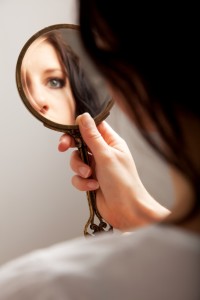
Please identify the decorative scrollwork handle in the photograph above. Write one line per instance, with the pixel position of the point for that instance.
(91, 228)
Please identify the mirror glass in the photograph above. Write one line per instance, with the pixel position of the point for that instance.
(56, 80)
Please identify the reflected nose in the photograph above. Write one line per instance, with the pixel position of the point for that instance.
(39, 99)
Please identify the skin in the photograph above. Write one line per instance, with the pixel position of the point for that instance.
(122, 200)
(46, 85)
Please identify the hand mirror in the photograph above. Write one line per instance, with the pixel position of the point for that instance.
(57, 81)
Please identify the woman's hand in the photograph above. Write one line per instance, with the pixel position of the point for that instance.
(121, 197)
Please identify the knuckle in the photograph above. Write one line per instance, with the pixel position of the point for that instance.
(94, 135)
(78, 183)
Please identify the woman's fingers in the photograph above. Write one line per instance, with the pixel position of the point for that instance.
(66, 142)
(81, 180)
(83, 184)
(78, 166)
(90, 134)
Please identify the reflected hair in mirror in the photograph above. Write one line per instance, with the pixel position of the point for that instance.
(56, 81)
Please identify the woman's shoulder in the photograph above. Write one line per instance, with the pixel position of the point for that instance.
(138, 264)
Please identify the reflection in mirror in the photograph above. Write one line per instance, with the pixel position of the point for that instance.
(57, 82)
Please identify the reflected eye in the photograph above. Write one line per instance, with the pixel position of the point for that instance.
(56, 83)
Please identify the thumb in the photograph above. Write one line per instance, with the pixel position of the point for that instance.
(90, 134)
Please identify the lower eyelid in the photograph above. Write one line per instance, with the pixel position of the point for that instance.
(60, 82)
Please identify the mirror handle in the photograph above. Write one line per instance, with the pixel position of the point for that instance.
(91, 197)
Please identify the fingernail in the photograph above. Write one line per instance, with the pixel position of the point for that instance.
(62, 138)
(86, 120)
(93, 185)
(84, 171)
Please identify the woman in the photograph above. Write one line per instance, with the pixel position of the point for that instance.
(55, 82)
(153, 83)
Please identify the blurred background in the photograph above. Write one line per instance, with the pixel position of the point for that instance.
(38, 204)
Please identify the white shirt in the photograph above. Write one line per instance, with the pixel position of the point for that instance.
(158, 262)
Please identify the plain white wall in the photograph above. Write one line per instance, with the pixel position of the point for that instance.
(38, 205)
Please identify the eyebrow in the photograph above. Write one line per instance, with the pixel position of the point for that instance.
(26, 82)
(47, 71)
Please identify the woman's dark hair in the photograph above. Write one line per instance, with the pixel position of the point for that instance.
(152, 46)
(84, 92)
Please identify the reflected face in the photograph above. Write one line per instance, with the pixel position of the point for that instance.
(45, 83)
